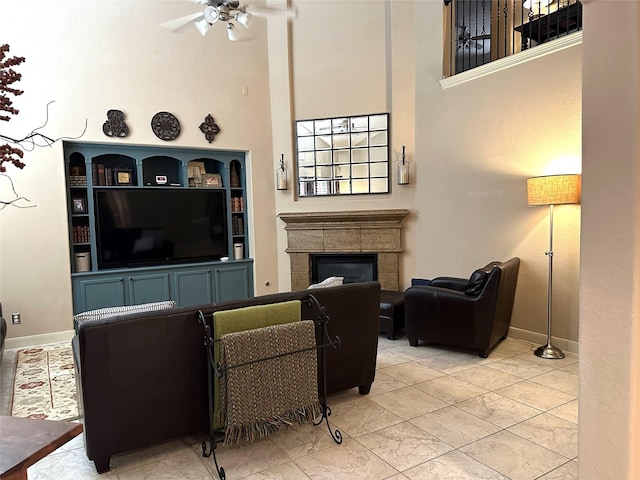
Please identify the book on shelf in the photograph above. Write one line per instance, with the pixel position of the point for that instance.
(101, 175)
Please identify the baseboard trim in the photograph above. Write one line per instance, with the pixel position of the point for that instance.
(41, 339)
(541, 339)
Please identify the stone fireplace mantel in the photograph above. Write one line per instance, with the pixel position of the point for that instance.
(357, 231)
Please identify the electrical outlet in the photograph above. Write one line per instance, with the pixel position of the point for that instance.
(15, 319)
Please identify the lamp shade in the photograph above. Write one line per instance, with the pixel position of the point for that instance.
(553, 190)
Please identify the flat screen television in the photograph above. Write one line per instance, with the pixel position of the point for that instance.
(144, 227)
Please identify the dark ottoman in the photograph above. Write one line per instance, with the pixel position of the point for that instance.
(391, 313)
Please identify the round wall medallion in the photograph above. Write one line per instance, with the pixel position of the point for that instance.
(165, 125)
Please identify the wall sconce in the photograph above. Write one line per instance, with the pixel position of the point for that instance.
(403, 169)
(281, 175)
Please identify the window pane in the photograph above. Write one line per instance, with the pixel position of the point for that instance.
(379, 185)
(361, 170)
(378, 138)
(323, 158)
(323, 187)
(341, 141)
(305, 144)
(359, 140)
(323, 127)
(323, 142)
(340, 125)
(323, 172)
(359, 124)
(360, 155)
(306, 172)
(360, 186)
(378, 122)
(342, 171)
(378, 154)
(344, 186)
(305, 158)
(307, 188)
(341, 156)
(305, 128)
(379, 170)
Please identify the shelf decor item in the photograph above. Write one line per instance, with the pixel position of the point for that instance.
(211, 180)
(79, 205)
(552, 190)
(115, 125)
(209, 128)
(234, 178)
(165, 126)
(122, 176)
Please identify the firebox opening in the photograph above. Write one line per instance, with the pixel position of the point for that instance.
(354, 267)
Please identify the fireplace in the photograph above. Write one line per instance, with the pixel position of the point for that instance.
(355, 232)
(354, 267)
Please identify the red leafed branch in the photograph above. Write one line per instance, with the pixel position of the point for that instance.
(8, 76)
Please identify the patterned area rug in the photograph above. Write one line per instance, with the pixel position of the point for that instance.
(45, 385)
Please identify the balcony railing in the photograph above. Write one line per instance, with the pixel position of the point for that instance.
(481, 31)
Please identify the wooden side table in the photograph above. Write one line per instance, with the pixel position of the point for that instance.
(24, 441)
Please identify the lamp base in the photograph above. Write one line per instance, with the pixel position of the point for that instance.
(549, 351)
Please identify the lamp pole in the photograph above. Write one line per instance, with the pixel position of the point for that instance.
(548, 350)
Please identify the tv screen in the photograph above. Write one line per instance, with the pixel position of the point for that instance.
(141, 227)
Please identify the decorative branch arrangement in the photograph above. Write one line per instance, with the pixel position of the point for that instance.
(13, 151)
(8, 76)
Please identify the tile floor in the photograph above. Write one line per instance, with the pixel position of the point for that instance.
(433, 413)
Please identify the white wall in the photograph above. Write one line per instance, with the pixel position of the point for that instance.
(92, 56)
(609, 440)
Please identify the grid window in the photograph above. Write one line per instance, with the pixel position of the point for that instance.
(343, 155)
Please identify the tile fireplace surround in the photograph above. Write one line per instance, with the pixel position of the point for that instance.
(361, 231)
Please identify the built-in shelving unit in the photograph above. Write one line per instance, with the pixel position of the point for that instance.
(93, 168)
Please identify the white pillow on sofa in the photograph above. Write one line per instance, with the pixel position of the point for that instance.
(109, 312)
(328, 282)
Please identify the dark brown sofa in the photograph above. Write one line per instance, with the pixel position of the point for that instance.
(142, 378)
(473, 313)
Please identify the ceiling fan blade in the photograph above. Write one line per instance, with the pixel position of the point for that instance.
(177, 23)
(486, 36)
(289, 12)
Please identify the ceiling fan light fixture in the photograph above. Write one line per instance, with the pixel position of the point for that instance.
(203, 26)
(245, 19)
(232, 32)
(210, 14)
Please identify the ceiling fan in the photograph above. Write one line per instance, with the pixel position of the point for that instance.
(465, 40)
(228, 11)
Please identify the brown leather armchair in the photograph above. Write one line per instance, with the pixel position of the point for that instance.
(473, 313)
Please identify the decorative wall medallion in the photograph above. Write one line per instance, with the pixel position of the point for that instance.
(165, 126)
(115, 126)
(209, 128)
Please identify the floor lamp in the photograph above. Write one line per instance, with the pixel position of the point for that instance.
(552, 190)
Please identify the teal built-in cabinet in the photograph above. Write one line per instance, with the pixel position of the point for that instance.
(92, 168)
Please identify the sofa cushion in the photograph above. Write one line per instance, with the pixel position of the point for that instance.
(94, 316)
(328, 282)
(476, 282)
(420, 281)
